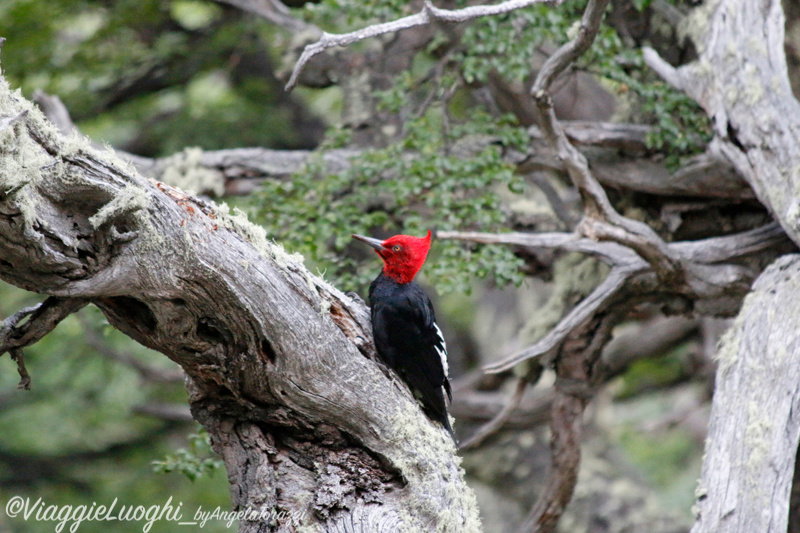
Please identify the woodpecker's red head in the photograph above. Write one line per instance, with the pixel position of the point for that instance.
(403, 255)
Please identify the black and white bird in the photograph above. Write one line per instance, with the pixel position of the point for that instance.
(407, 338)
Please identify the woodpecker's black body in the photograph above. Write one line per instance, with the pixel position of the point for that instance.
(407, 338)
(410, 343)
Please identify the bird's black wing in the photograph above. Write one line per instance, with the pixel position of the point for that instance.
(409, 341)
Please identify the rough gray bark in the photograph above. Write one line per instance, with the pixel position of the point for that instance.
(755, 419)
(740, 79)
(277, 361)
(743, 85)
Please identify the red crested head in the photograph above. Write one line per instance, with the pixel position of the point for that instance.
(403, 255)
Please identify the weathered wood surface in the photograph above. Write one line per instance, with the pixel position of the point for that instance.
(277, 361)
(755, 418)
(740, 78)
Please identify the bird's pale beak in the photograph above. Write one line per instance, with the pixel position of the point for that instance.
(374, 243)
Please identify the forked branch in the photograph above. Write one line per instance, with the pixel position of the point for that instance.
(601, 220)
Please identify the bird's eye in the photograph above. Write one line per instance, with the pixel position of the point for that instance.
(396, 248)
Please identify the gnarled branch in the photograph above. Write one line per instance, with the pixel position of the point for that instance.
(709, 259)
(268, 348)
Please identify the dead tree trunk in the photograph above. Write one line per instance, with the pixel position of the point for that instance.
(740, 79)
(755, 419)
(277, 361)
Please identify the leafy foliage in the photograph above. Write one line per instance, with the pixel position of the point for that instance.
(508, 46)
(422, 181)
(196, 461)
(135, 73)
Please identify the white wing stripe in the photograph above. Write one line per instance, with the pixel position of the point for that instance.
(442, 351)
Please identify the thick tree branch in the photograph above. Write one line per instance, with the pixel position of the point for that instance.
(755, 418)
(269, 350)
(742, 84)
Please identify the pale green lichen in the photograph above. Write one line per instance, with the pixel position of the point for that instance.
(757, 45)
(27, 206)
(433, 458)
(311, 280)
(700, 492)
(22, 160)
(727, 354)
(757, 433)
(73, 145)
(792, 215)
(731, 95)
(695, 25)
(185, 170)
(753, 91)
(239, 224)
(21, 163)
(257, 236)
(24, 163)
(127, 201)
(702, 68)
(109, 156)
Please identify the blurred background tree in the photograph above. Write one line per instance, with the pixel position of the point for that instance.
(437, 127)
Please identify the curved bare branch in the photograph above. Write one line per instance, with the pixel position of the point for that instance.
(497, 423)
(427, 15)
(599, 299)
